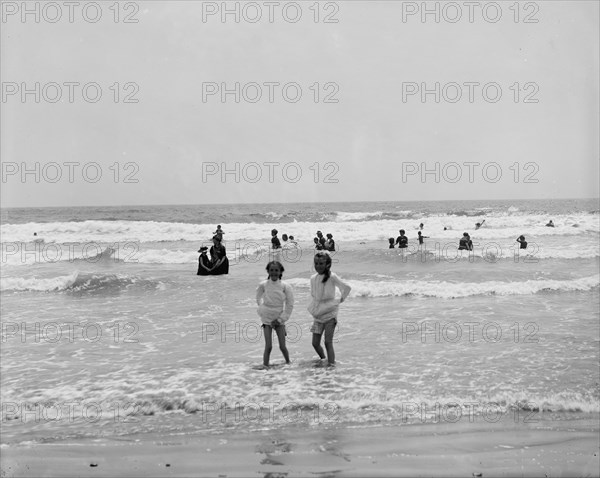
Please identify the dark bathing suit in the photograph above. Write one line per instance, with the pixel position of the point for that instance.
(204, 260)
(463, 245)
(218, 254)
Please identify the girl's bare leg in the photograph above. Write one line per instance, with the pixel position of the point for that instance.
(268, 344)
(316, 343)
(329, 328)
(281, 337)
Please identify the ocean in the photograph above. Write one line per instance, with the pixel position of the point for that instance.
(108, 332)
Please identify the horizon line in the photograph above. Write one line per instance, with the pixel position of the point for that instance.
(299, 202)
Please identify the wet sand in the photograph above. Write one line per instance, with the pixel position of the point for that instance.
(556, 446)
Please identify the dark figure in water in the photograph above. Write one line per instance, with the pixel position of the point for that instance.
(275, 243)
(204, 264)
(402, 240)
(219, 232)
(521, 240)
(218, 255)
(391, 241)
(465, 243)
(320, 240)
(550, 224)
(329, 243)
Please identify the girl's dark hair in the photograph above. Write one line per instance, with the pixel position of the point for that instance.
(327, 257)
(278, 264)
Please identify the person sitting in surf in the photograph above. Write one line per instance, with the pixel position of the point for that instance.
(204, 265)
(218, 255)
(465, 243)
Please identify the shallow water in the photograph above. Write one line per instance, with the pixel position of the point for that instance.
(110, 347)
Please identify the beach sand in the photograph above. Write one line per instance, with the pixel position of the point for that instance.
(556, 446)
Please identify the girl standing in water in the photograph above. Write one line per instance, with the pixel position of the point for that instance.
(275, 301)
(324, 305)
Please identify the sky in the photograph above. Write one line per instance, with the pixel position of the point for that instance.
(189, 102)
